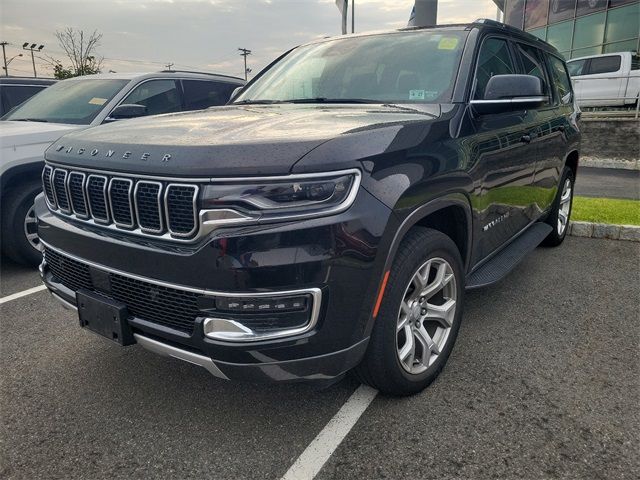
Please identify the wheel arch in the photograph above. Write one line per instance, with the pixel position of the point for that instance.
(24, 173)
(572, 160)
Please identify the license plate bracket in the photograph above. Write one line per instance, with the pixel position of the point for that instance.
(104, 316)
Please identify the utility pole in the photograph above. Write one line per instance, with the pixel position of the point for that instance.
(353, 16)
(25, 46)
(4, 57)
(245, 53)
(169, 65)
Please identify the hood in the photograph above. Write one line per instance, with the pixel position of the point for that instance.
(17, 134)
(231, 140)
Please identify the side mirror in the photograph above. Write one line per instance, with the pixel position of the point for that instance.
(506, 93)
(235, 93)
(127, 110)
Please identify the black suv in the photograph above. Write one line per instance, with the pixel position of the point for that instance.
(331, 217)
(15, 90)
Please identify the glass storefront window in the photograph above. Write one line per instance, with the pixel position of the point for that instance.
(623, 24)
(514, 13)
(536, 12)
(628, 46)
(561, 10)
(585, 52)
(585, 7)
(589, 31)
(560, 35)
(615, 3)
(539, 32)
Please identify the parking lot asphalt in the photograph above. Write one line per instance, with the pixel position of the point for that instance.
(544, 382)
(608, 183)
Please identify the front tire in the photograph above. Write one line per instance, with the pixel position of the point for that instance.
(561, 210)
(20, 240)
(419, 317)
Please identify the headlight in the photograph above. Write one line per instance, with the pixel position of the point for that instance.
(281, 198)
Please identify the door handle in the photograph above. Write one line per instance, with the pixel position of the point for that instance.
(525, 139)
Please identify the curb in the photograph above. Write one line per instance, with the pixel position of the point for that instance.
(629, 233)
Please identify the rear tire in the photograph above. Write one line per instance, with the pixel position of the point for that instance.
(19, 225)
(561, 210)
(421, 310)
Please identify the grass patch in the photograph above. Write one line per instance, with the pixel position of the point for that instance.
(606, 210)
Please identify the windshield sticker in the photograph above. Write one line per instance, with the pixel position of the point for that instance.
(416, 94)
(448, 43)
(98, 101)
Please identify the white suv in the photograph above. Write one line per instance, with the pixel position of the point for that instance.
(79, 103)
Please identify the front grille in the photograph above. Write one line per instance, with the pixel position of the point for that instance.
(138, 205)
(166, 306)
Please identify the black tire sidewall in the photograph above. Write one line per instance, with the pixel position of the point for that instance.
(435, 245)
(554, 238)
(14, 243)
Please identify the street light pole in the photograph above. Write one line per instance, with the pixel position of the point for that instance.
(353, 16)
(31, 49)
(8, 62)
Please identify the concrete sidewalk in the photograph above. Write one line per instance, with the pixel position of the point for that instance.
(608, 183)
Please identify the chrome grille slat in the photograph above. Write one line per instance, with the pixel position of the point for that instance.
(59, 183)
(75, 187)
(121, 201)
(141, 206)
(148, 206)
(48, 187)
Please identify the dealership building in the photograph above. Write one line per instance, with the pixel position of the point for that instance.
(578, 28)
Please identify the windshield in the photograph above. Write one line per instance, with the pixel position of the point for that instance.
(407, 67)
(71, 101)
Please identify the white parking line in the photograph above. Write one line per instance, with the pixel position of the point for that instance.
(322, 447)
(21, 294)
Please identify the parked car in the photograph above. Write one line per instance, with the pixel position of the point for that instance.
(76, 104)
(331, 217)
(15, 90)
(612, 79)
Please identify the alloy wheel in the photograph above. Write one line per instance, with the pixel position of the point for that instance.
(426, 315)
(564, 209)
(31, 229)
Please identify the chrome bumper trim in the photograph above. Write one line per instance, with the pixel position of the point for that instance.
(184, 355)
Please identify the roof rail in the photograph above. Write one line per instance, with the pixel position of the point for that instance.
(202, 73)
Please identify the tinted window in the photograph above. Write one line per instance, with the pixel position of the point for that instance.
(605, 64)
(199, 94)
(14, 95)
(407, 67)
(576, 68)
(494, 59)
(70, 101)
(533, 64)
(159, 96)
(560, 78)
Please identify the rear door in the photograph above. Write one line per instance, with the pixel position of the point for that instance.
(603, 83)
(503, 157)
(547, 132)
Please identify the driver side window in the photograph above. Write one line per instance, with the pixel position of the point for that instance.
(159, 96)
(494, 59)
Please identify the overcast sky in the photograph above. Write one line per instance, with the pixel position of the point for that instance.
(143, 35)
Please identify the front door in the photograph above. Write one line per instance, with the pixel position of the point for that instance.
(503, 156)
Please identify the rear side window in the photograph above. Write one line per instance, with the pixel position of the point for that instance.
(199, 94)
(14, 95)
(576, 68)
(159, 96)
(533, 64)
(605, 65)
(560, 79)
(494, 59)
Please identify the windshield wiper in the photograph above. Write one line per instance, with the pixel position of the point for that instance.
(29, 120)
(256, 102)
(329, 100)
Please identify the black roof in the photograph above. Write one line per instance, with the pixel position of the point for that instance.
(26, 81)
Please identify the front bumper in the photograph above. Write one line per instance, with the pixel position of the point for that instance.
(337, 256)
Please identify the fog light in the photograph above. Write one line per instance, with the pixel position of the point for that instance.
(260, 317)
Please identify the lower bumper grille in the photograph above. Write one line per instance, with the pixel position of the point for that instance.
(170, 307)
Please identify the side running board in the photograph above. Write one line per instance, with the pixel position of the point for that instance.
(509, 257)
